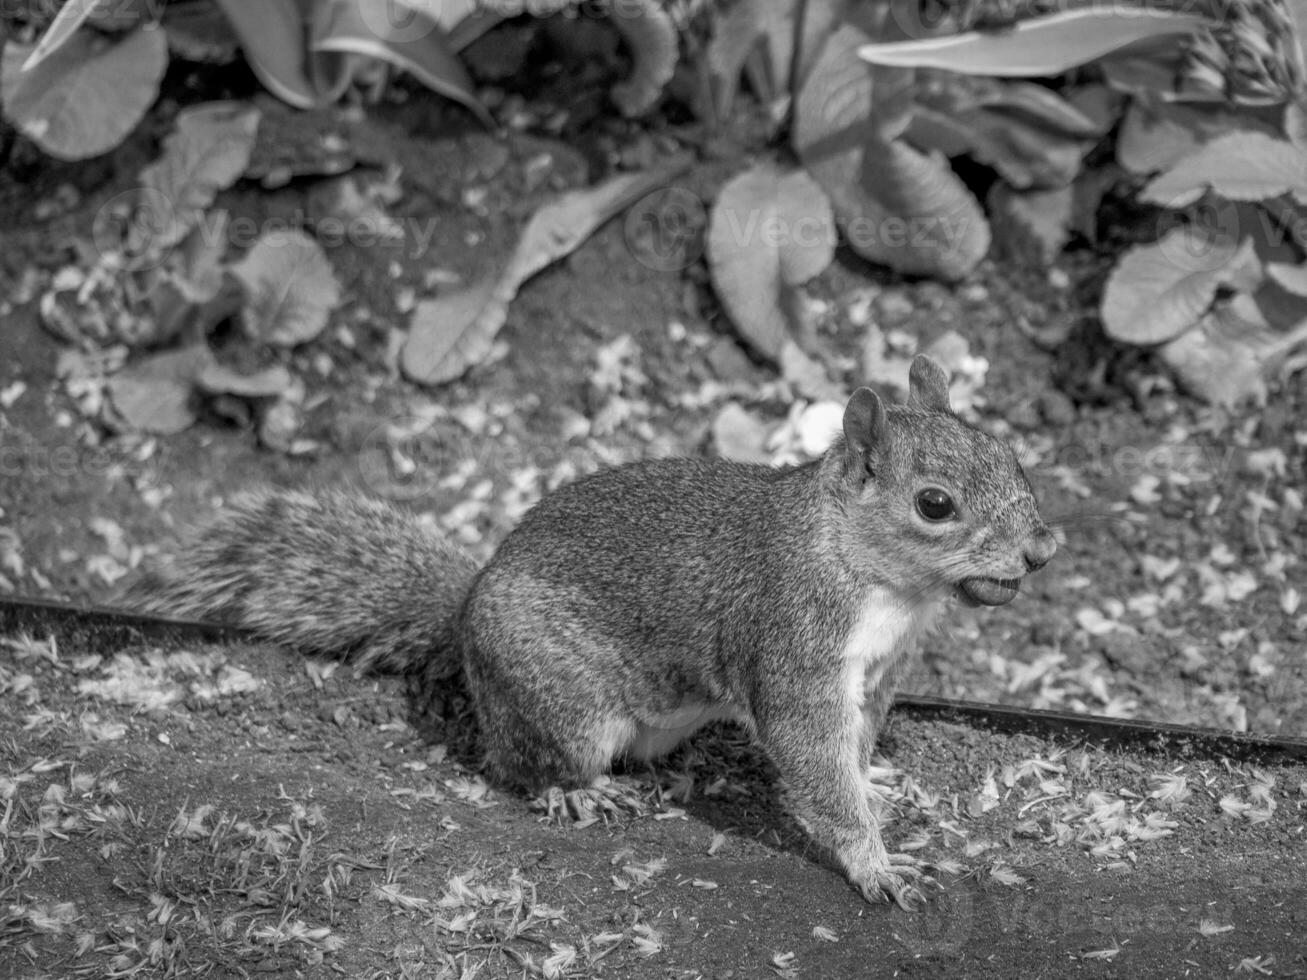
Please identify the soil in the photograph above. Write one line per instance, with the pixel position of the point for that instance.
(1175, 597)
(268, 817)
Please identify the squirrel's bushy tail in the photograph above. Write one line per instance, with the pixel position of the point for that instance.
(335, 573)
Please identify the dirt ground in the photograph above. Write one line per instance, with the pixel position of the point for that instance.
(1175, 597)
(178, 808)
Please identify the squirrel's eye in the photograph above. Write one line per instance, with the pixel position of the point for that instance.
(935, 505)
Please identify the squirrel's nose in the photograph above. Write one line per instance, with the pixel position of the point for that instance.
(1040, 549)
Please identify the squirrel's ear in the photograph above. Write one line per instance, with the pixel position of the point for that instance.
(928, 385)
(864, 430)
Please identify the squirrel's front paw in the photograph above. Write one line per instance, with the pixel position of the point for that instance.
(902, 880)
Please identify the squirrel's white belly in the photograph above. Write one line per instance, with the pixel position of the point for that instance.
(886, 629)
(658, 734)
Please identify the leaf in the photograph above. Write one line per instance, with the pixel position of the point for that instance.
(1291, 278)
(806, 375)
(271, 382)
(85, 97)
(1029, 134)
(155, 394)
(414, 42)
(357, 201)
(190, 293)
(1041, 217)
(560, 225)
(1110, 953)
(1155, 136)
(1037, 47)
(70, 17)
(1220, 361)
(1159, 291)
(737, 33)
(197, 262)
(1024, 155)
(1158, 71)
(1210, 927)
(740, 435)
(290, 288)
(451, 333)
(1006, 876)
(650, 37)
(117, 16)
(1295, 114)
(1044, 108)
(199, 31)
(207, 151)
(1239, 166)
(769, 233)
(470, 26)
(273, 35)
(107, 15)
(894, 204)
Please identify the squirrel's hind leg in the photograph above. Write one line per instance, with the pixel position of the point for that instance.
(538, 734)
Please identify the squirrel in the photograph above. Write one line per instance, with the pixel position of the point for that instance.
(635, 605)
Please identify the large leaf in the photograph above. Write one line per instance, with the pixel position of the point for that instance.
(1038, 47)
(1239, 166)
(1160, 290)
(894, 204)
(290, 288)
(413, 42)
(451, 333)
(770, 232)
(86, 96)
(207, 151)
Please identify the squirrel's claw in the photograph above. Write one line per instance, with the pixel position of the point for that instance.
(893, 886)
(904, 882)
(605, 797)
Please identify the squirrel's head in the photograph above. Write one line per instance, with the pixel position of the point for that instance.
(933, 501)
